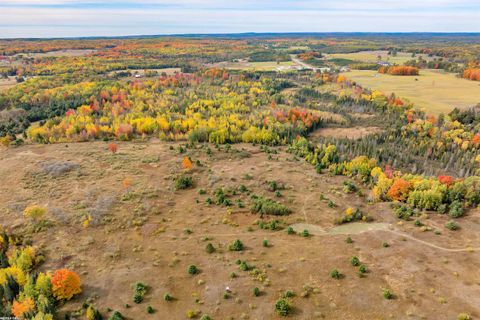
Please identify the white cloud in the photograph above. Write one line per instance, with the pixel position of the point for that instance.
(204, 16)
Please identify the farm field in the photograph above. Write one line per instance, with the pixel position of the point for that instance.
(147, 231)
(7, 83)
(372, 56)
(435, 91)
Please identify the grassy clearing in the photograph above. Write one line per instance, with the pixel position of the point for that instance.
(436, 91)
(259, 66)
(372, 56)
(7, 83)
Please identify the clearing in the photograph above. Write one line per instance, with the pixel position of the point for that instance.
(372, 56)
(142, 229)
(435, 91)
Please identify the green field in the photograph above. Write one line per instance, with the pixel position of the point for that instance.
(436, 91)
(372, 56)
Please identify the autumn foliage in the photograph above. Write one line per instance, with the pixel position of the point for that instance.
(399, 190)
(20, 308)
(400, 70)
(113, 147)
(65, 284)
(472, 74)
(186, 163)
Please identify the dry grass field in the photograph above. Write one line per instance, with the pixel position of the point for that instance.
(372, 56)
(258, 66)
(435, 91)
(7, 83)
(143, 229)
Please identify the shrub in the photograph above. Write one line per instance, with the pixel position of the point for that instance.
(256, 292)
(362, 268)
(116, 316)
(335, 274)
(267, 206)
(205, 317)
(349, 187)
(140, 289)
(113, 147)
(34, 212)
(305, 233)
(387, 294)
(289, 294)
(451, 225)
(150, 310)
(282, 307)
(237, 245)
(349, 240)
(355, 261)
(93, 314)
(290, 230)
(404, 212)
(167, 297)
(192, 269)
(464, 316)
(187, 163)
(183, 182)
(210, 248)
(385, 244)
(65, 284)
(456, 209)
(265, 243)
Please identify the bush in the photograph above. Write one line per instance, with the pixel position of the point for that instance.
(282, 307)
(237, 245)
(335, 274)
(355, 261)
(451, 225)
(289, 294)
(205, 317)
(256, 292)
(65, 284)
(167, 297)
(150, 310)
(305, 233)
(116, 316)
(362, 268)
(35, 213)
(192, 269)
(456, 209)
(140, 289)
(349, 187)
(404, 212)
(210, 248)
(265, 243)
(387, 294)
(267, 206)
(290, 230)
(349, 240)
(463, 316)
(183, 182)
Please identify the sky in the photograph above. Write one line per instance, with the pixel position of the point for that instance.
(75, 18)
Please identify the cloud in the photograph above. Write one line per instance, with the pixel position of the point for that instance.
(61, 18)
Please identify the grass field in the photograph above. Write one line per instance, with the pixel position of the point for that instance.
(436, 91)
(7, 83)
(372, 56)
(260, 66)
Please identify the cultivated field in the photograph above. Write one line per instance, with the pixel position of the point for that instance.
(435, 91)
(142, 229)
(59, 53)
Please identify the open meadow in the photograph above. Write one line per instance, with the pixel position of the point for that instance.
(433, 90)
